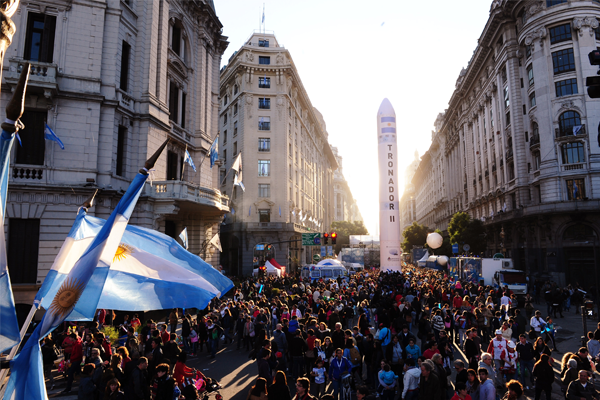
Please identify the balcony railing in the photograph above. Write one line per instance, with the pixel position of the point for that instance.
(171, 190)
(565, 131)
(28, 173)
(534, 140)
(42, 76)
(573, 167)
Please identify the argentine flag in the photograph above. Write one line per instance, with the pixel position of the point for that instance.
(85, 279)
(184, 238)
(214, 152)
(188, 159)
(50, 135)
(150, 271)
(9, 327)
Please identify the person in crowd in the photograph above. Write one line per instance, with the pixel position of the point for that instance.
(429, 384)
(461, 392)
(581, 388)
(412, 376)
(163, 386)
(279, 390)
(544, 377)
(514, 391)
(473, 384)
(540, 348)
(258, 391)
(303, 390)
(537, 323)
(338, 367)
(526, 359)
(570, 374)
(319, 374)
(487, 390)
(138, 382)
(387, 382)
(113, 390)
(461, 372)
(87, 389)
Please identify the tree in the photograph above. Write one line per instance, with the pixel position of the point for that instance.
(464, 230)
(414, 235)
(344, 229)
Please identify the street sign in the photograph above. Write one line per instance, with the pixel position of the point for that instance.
(330, 251)
(455, 248)
(466, 247)
(311, 239)
(260, 247)
(322, 251)
(317, 258)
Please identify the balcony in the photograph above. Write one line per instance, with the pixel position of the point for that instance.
(493, 167)
(176, 195)
(509, 154)
(29, 174)
(569, 131)
(573, 167)
(42, 76)
(534, 141)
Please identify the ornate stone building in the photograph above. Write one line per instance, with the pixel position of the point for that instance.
(288, 164)
(407, 202)
(113, 79)
(519, 140)
(345, 207)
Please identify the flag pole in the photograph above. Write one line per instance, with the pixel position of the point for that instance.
(183, 166)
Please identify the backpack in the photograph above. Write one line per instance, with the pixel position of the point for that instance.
(355, 357)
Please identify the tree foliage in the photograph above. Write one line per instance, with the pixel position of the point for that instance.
(464, 230)
(344, 229)
(414, 235)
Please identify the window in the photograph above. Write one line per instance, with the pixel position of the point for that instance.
(170, 228)
(264, 103)
(264, 124)
(225, 136)
(120, 165)
(550, 3)
(507, 118)
(264, 167)
(173, 101)
(567, 121)
(563, 61)
(264, 60)
(236, 89)
(234, 148)
(235, 109)
(126, 49)
(566, 87)
(525, 108)
(22, 249)
(183, 101)
(34, 145)
(225, 119)
(575, 189)
(264, 83)
(560, 33)
(225, 100)
(264, 215)
(506, 98)
(39, 39)
(536, 161)
(492, 119)
(597, 33)
(263, 43)
(531, 100)
(176, 39)
(530, 74)
(527, 51)
(235, 129)
(264, 190)
(264, 144)
(172, 164)
(573, 153)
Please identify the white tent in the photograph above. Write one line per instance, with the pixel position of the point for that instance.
(269, 269)
(332, 262)
(423, 260)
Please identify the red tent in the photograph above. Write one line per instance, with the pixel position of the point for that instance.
(276, 265)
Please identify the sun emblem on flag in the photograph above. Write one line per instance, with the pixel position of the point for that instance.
(66, 297)
(122, 252)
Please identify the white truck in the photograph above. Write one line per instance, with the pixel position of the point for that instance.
(496, 272)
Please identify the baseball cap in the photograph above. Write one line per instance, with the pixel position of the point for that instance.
(499, 332)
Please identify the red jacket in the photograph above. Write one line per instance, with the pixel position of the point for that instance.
(77, 352)
(107, 348)
(165, 336)
(181, 372)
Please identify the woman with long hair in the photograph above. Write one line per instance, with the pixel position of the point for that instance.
(540, 348)
(544, 377)
(473, 384)
(279, 390)
(329, 350)
(113, 390)
(259, 390)
(564, 364)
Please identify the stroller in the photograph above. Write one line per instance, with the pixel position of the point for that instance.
(346, 389)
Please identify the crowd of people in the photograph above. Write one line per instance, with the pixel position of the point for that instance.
(414, 335)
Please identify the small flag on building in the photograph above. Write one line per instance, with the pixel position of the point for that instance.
(214, 152)
(50, 135)
(280, 211)
(215, 241)
(576, 129)
(188, 159)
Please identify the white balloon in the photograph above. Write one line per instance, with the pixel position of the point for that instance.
(442, 260)
(434, 240)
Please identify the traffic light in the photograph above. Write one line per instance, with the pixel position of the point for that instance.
(333, 237)
(325, 238)
(593, 82)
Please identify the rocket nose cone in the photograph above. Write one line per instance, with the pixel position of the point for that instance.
(386, 108)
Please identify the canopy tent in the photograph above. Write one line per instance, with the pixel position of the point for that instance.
(277, 265)
(269, 270)
(423, 260)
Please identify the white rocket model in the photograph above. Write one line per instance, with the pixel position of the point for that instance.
(389, 197)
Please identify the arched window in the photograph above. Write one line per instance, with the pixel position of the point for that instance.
(567, 121)
(573, 153)
(178, 40)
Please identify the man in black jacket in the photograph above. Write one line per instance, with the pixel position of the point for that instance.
(138, 388)
(298, 347)
(186, 329)
(581, 388)
(429, 385)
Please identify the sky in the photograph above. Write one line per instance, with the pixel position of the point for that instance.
(351, 54)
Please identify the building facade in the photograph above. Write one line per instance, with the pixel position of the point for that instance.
(345, 207)
(113, 79)
(518, 140)
(408, 199)
(288, 165)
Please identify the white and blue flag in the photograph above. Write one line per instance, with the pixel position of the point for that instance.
(575, 190)
(86, 278)
(237, 167)
(184, 238)
(9, 327)
(214, 152)
(50, 135)
(188, 159)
